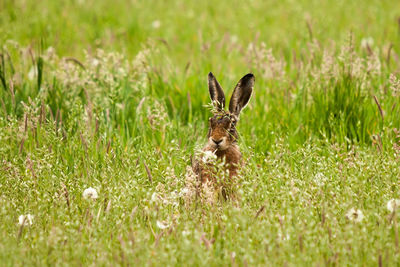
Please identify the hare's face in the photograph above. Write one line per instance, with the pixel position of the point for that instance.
(222, 132)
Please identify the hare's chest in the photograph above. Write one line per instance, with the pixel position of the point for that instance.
(231, 158)
(230, 155)
(226, 162)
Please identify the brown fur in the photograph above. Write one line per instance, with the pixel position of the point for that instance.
(232, 160)
(222, 134)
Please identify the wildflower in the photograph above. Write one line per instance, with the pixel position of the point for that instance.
(32, 73)
(234, 38)
(367, 42)
(393, 204)
(156, 24)
(154, 197)
(90, 193)
(95, 62)
(25, 220)
(162, 225)
(355, 215)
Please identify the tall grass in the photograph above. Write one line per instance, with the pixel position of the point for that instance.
(341, 99)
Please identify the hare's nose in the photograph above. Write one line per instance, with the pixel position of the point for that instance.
(217, 142)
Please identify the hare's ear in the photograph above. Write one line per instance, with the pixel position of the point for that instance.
(216, 93)
(241, 94)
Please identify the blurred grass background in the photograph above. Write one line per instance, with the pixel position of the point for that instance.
(186, 26)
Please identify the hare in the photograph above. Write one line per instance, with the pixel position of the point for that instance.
(222, 134)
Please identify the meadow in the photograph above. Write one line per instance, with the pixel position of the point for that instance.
(104, 103)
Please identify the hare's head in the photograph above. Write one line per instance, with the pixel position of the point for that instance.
(222, 132)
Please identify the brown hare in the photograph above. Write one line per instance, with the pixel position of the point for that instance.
(222, 134)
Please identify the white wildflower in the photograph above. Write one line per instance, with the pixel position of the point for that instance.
(355, 215)
(90, 193)
(163, 225)
(393, 204)
(156, 24)
(154, 197)
(234, 38)
(95, 62)
(25, 220)
(367, 42)
(32, 73)
(50, 55)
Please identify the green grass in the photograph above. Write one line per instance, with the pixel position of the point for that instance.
(112, 95)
